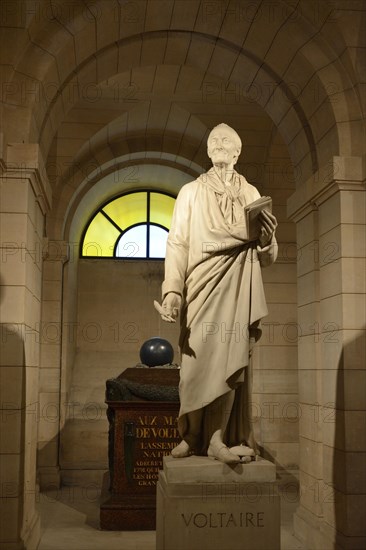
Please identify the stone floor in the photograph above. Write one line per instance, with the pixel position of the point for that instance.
(70, 521)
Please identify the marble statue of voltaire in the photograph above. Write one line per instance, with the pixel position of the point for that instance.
(213, 277)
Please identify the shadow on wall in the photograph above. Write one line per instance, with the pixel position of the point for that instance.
(12, 430)
(349, 464)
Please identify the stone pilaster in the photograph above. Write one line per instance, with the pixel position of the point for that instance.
(25, 199)
(330, 216)
(55, 255)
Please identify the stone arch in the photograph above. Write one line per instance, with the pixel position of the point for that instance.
(125, 168)
(158, 174)
(55, 44)
(261, 83)
(104, 153)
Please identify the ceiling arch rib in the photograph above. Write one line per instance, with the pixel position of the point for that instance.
(177, 128)
(125, 170)
(292, 128)
(117, 158)
(74, 38)
(245, 115)
(149, 125)
(212, 88)
(243, 82)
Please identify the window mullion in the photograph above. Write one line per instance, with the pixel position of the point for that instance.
(109, 226)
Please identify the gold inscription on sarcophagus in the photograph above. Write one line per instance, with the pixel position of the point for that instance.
(142, 429)
(155, 437)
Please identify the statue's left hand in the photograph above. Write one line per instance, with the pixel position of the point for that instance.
(269, 224)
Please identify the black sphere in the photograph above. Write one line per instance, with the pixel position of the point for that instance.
(156, 351)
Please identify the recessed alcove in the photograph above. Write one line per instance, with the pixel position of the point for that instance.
(112, 96)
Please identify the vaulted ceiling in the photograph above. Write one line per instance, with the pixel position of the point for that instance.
(97, 81)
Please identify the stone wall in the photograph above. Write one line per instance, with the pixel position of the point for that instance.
(275, 397)
(115, 316)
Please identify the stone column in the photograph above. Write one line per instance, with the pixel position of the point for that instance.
(330, 215)
(25, 199)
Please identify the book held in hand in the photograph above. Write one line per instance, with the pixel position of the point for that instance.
(252, 211)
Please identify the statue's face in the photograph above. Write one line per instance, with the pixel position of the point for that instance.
(222, 147)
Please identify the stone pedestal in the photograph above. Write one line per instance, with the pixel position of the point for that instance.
(203, 504)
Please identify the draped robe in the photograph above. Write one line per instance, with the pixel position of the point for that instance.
(217, 271)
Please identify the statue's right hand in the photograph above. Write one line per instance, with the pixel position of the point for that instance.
(171, 306)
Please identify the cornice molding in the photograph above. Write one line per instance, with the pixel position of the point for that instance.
(24, 161)
(341, 174)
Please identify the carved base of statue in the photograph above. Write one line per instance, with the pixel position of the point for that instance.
(203, 504)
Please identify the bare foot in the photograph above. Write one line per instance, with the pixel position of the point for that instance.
(181, 450)
(242, 450)
(223, 454)
(245, 453)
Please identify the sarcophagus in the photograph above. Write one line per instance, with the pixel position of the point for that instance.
(143, 406)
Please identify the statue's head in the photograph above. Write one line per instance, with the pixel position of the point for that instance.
(223, 145)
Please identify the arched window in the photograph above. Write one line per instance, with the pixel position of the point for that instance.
(133, 225)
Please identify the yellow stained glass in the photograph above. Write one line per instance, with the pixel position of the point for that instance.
(161, 209)
(128, 210)
(100, 237)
